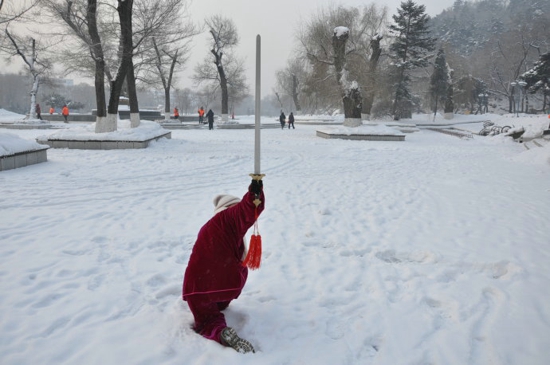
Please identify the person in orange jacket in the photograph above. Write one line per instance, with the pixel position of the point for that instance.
(65, 113)
(176, 113)
(52, 110)
(201, 115)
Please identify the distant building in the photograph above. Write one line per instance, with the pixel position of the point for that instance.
(66, 82)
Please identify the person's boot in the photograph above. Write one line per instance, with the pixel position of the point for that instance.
(230, 338)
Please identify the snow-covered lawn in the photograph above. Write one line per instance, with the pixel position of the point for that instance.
(435, 250)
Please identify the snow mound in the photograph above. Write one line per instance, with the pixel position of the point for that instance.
(11, 144)
(7, 116)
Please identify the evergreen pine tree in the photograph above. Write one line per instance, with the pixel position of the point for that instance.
(439, 81)
(410, 50)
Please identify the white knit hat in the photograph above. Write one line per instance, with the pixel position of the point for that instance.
(223, 201)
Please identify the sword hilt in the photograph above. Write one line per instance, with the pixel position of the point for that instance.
(256, 177)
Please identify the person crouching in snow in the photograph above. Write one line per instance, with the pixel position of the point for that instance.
(215, 274)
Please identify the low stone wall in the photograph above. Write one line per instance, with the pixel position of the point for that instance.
(101, 144)
(88, 118)
(190, 118)
(26, 126)
(453, 132)
(246, 126)
(362, 137)
(22, 159)
(143, 114)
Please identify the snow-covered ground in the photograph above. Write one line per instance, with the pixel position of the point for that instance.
(430, 251)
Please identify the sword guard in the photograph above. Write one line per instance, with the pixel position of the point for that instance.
(257, 177)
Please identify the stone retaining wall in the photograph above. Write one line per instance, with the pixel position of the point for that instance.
(22, 159)
(101, 144)
(362, 137)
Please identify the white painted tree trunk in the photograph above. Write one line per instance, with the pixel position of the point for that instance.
(34, 91)
(448, 116)
(134, 120)
(352, 122)
(106, 124)
(225, 118)
(365, 116)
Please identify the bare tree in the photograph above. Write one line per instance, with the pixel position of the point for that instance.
(362, 52)
(238, 88)
(96, 50)
(15, 9)
(327, 40)
(208, 96)
(349, 89)
(289, 81)
(168, 44)
(81, 18)
(224, 39)
(372, 23)
(26, 49)
(125, 72)
(505, 58)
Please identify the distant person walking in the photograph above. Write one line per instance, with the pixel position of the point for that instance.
(65, 113)
(201, 115)
(282, 119)
(176, 113)
(291, 120)
(52, 110)
(210, 117)
(38, 111)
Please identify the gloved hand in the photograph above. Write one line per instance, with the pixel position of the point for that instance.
(256, 187)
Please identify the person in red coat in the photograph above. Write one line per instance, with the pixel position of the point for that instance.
(215, 274)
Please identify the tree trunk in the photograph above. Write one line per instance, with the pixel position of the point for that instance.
(295, 93)
(132, 95)
(169, 82)
(35, 81)
(368, 100)
(34, 91)
(223, 85)
(99, 59)
(449, 106)
(125, 15)
(397, 102)
(166, 103)
(225, 94)
(350, 91)
(166, 81)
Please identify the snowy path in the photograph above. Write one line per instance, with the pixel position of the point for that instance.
(429, 251)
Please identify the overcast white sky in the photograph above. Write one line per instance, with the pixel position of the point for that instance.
(277, 22)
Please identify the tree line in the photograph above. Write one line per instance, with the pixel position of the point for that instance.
(472, 56)
(122, 45)
(362, 60)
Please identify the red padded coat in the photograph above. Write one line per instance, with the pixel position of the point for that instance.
(215, 266)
